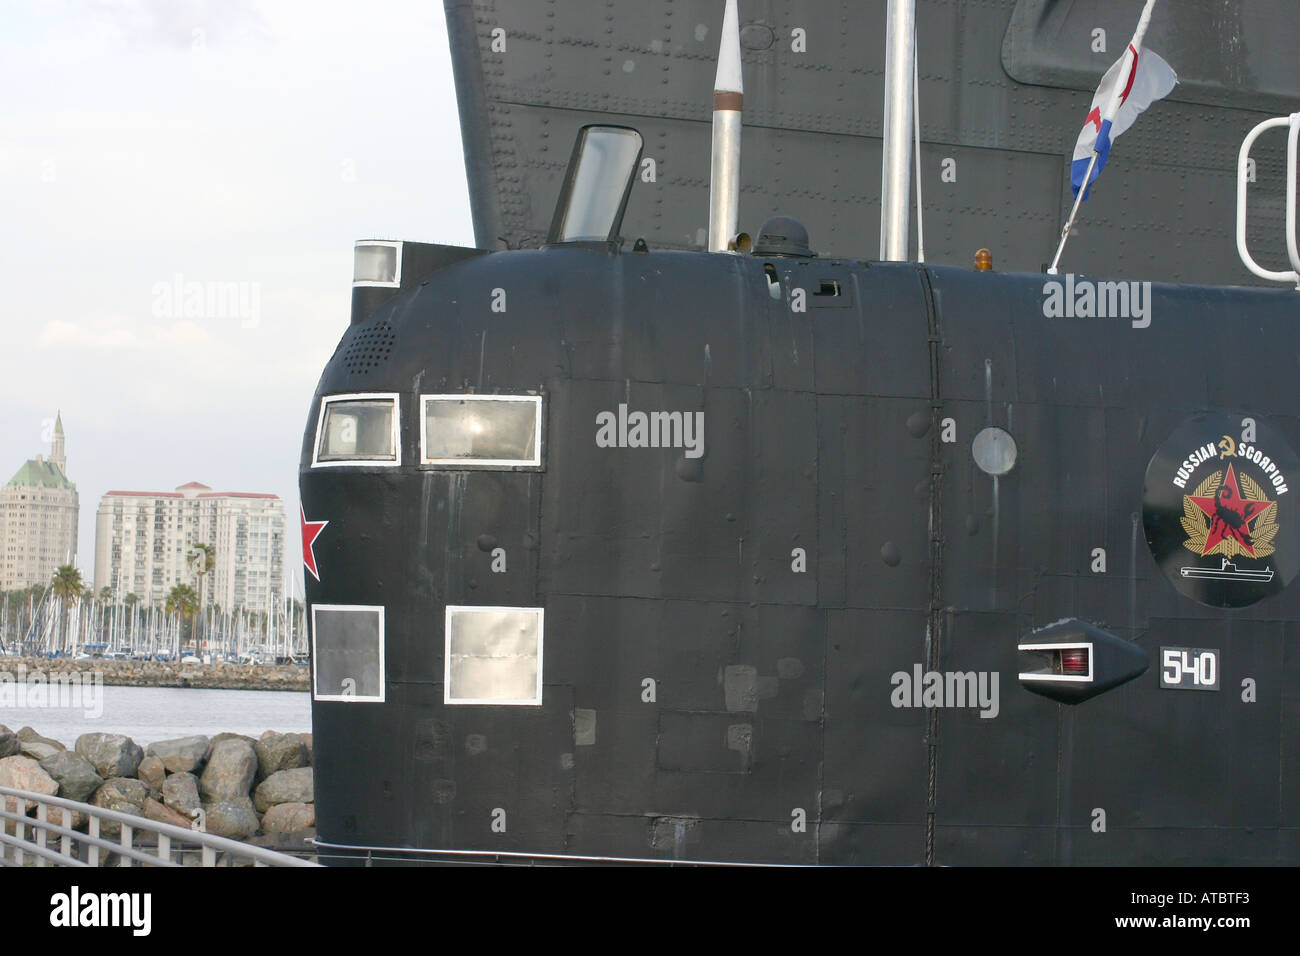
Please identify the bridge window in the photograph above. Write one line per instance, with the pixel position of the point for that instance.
(358, 429)
(347, 643)
(377, 264)
(499, 431)
(493, 655)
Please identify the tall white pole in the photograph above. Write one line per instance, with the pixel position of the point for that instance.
(916, 125)
(728, 99)
(896, 168)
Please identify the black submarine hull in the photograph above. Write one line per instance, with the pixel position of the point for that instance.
(724, 633)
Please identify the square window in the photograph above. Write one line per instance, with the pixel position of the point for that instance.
(347, 652)
(501, 431)
(360, 429)
(493, 655)
(377, 263)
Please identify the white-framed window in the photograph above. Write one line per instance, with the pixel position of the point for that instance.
(377, 263)
(361, 428)
(493, 431)
(493, 655)
(347, 652)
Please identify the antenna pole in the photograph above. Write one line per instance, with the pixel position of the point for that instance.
(916, 125)
(728, 98)
(900, 73)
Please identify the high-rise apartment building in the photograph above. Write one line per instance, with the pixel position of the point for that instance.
(145, 544)
(38, 519)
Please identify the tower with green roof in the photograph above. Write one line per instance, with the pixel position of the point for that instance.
(38, 518)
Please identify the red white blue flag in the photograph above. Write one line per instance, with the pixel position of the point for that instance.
(1138, 79)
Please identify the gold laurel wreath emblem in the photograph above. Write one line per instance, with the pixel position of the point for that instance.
(1197, 523)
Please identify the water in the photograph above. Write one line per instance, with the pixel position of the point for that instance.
(147, 714)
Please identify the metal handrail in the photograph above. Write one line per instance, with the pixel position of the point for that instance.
(1292, 174)
(1292, 171)
(209, 844)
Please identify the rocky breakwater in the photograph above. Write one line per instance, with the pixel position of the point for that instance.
(221, 675)
(259, 791)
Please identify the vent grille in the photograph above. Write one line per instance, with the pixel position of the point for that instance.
(369, 348)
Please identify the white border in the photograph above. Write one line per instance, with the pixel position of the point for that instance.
(446, 655)
(534, 462)
(372, 283)
(360, 462)
(1066, 678)
(383, 674)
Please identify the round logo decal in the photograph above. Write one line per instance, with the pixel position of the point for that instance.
(1218, 511)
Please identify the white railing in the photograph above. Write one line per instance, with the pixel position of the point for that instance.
(1292, 174)
(142, 841)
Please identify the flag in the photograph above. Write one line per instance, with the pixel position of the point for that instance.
(1146, 78)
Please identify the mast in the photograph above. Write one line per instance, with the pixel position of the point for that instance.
(896, 165)
(728, 96)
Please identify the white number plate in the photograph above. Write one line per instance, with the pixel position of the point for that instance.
(1189, 668)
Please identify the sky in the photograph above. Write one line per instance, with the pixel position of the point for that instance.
(231, 148)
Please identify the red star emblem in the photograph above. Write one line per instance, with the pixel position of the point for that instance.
(310, 532)
(1230, 515)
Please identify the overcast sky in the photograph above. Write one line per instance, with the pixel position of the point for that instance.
(144, 142)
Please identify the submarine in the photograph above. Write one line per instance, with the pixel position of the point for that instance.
(763, 554)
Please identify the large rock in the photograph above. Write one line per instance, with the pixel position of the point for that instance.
(180, 792)
(235, 818)
(219, 738)
(124, 789)
(111, 754)
(28, 735)
(182, 755)
(75, 775)
(76, 820)
(286, 786)
(10, 745)
(230, 771)
(153, 774)
(306, 739)
(289, 817)
(24, 773)
(37, 750)
(164, 814)
(119, 794)
(276, 752)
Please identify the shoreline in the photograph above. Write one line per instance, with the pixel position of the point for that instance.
(114, 673)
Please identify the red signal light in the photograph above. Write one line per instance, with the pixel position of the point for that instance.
(1074, 661)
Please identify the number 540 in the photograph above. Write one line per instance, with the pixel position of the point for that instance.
(1202, 667)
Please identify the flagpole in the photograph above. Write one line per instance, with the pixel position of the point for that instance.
(1112, 107)
(1069, 223)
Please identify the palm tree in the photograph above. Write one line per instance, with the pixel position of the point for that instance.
(203, 559)
(183, 601)
(67, 587)
(67, 583)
